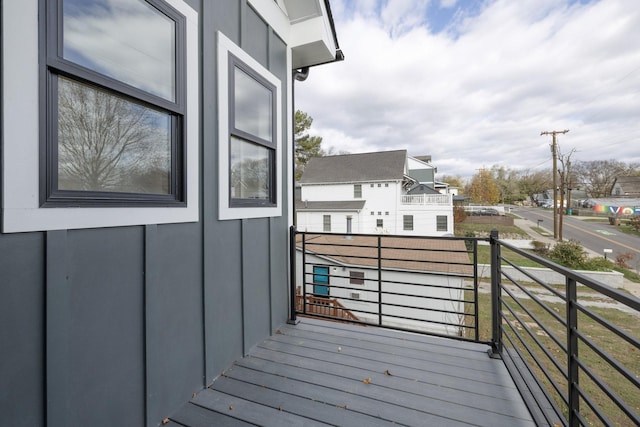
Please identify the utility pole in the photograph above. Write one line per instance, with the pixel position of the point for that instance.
(554, 154)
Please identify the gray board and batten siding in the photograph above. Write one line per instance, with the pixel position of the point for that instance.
(120, 326)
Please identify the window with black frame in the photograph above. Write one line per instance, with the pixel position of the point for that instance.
(115, 104)
(252, 137)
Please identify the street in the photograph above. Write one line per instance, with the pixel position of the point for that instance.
(594, 236)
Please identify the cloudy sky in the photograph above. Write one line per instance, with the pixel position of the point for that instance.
(474, 82)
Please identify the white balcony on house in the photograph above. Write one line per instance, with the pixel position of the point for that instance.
(427, 199)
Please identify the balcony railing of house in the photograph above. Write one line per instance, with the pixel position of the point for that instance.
(572, 349)
(427, 199)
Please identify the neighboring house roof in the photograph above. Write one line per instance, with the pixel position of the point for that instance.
(422, 189)
(363, 167)
(402, 253)
(425, 159)
(629, 186)
(349, 205)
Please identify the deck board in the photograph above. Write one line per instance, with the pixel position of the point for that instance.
(327, 373)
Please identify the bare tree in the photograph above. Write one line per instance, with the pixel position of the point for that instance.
(107, 143)
(597, 176)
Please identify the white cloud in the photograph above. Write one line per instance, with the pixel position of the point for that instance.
(481, 95)
(447, 4)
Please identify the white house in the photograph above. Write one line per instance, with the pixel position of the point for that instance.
(419, 285)
(382, 192)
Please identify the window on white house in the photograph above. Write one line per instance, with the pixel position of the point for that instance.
(379, 223)
(357, 191)
(250, 135)
(115, 131)
(326, 223)
(407, 222)
(441, 223)
(356, 277)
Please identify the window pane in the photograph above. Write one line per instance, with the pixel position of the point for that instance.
(253, 106)
(407, 222)
(357, 191)
(356, 277)
(250, 170)
(326, 223)
(130, 41)
(441, 223)
(107, 143)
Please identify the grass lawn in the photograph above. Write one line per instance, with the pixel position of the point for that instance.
(626, 228)
(462, 229)
(623, 352)
(484, 257)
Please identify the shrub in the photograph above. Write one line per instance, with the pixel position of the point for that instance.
(470, 235)
(622, 260)
(540, 248)
(634, 221)
(459, 214)
(597, 264)
(569, 253)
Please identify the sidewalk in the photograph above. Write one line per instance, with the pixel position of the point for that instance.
(547, 238)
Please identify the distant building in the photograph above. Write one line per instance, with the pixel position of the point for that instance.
(382, 192)
(626, 186)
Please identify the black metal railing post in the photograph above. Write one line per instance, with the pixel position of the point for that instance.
(572, 353)
(379, 280)
(496, 298)
(292, 275)
(304, 274)
(476, 305)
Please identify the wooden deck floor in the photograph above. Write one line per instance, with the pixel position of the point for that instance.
(323, 373)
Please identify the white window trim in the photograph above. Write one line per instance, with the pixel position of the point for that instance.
(21, 186)
(225, 211)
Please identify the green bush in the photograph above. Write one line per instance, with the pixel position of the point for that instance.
(569, 253)
(597, 264)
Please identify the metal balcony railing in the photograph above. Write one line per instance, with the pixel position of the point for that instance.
(573, 350)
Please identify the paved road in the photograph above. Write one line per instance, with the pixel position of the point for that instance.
(594, 236)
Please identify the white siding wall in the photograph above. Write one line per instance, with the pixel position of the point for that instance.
(383, 201)
(313, 221)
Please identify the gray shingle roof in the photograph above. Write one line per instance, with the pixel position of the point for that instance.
(363, 167)
(434, 255)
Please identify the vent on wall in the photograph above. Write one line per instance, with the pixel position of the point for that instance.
(355, 295)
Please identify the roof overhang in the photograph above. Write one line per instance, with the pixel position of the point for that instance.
(313, 39)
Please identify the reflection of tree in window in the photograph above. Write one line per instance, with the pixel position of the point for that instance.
(249, 170)
(107, 143)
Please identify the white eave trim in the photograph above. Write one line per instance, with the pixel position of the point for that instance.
(311, 40)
